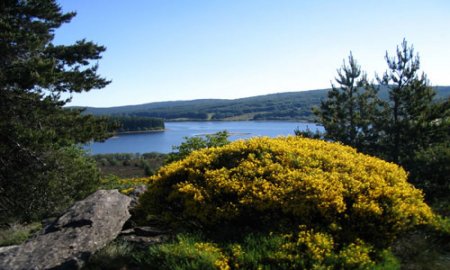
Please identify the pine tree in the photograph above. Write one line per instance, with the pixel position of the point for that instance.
(36, 132)
(410, 97)
(348, 114)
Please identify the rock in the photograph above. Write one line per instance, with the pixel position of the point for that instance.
(86, 227)
(134, 195)
(3, 250)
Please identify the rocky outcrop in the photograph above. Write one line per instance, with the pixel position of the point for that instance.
(85, 228)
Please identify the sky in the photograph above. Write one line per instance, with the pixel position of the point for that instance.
(161, 50)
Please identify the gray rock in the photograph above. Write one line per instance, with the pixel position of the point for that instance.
(66, 244)
(135, 194)
(3, 250)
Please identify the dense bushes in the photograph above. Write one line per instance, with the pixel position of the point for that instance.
(136, 123)
(67, 175)
(349, 202)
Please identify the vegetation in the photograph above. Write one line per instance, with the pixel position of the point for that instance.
(40, 169)
(410, 97)
(411, 128)
(135, 124)
(350, 113)
(282, 106)
(326, 201)
(15, 234)
(126, 165)
(286, 203)
(191, 144)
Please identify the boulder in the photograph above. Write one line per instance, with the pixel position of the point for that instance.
(86, 227)
(135, 194)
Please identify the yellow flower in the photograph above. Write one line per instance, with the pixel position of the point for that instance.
(304, 180)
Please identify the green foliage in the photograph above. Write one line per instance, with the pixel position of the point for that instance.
(135, 123)
(35, 129)
(349, 114)
(70, 175)
(430, 170)
(16, 234)
(388, 261)
(410, 97)
(116, 255)
(260, 251)
(280, 106)
(186, 252)
(126, 165)
(191, 144)
(410, 128)
(308, 133)
(283, 106)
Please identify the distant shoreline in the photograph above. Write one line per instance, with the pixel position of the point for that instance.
(139, 131)
(242, 120)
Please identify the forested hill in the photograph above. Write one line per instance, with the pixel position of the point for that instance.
(280, 106)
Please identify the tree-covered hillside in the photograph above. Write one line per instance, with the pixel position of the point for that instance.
(280, 106)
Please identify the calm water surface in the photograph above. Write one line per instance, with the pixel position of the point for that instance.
(176, 131)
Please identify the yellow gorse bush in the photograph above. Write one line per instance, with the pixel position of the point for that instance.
(296, 180)
(317, 250)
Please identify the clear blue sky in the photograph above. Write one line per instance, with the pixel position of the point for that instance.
(160, 50)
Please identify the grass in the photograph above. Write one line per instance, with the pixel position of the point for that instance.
(16, 234)
(194, 251)
(116, 255)
(426, 248)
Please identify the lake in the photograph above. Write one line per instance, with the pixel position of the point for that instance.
(176, 131)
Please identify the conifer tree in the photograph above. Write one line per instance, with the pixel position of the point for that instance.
(37, 134)
(350, 110)
(410, 98)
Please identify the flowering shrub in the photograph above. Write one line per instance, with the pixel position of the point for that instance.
(289, 181)
(316, 250)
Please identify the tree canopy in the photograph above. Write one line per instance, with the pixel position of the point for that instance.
(348, 114)
(410, 128)
(34, 126)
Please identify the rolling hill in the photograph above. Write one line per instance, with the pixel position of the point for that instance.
(279, 106)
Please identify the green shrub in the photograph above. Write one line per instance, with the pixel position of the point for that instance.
(430, 171)
(191, 144)
(68, 174)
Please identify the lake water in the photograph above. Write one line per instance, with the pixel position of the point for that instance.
(176, 131)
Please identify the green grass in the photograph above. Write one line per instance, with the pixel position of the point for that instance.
(17, 233)
(184, 252)
(116, 255)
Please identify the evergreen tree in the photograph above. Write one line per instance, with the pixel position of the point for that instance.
(349, 113)
(36, 132)
(410, 98)
(430, 166)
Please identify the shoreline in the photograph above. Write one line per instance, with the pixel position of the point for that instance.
(139, 131)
